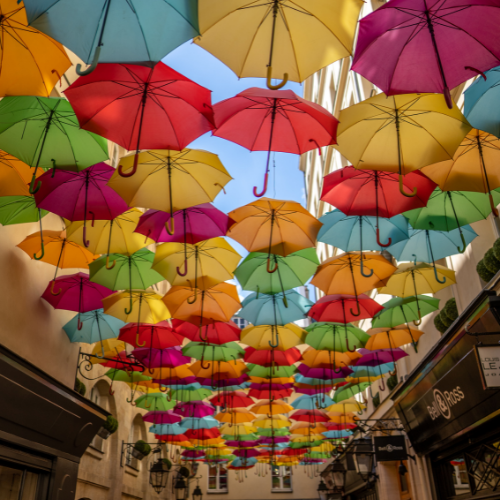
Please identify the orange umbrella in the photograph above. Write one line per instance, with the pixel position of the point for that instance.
(218, 303)
(235, 416)
(267, 407)
(326, 359)
(15, 176)
(179, 372)
(305, 428)
(391, 338)
(274, 226)
(219, 369)
(343, 418)
(277, 380)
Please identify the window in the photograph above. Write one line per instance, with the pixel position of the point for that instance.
(95, 397)
(460, 476)
(217, 479)
(134, 436)
(282, 478)
(240, 322)
(17, 483)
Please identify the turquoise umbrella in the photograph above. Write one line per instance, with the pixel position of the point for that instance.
(482, 102)
(337, 434)
(119, 31)
(312, 402)
(162, 429)
(277, 309)
(402, 310)
(199, 423)
(371, 371)
(97, 327)
(300, 379)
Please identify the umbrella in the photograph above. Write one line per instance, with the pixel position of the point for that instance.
(116, 31)
(187, 396)
(274, 120)
(154, 403)
(171, 357)
(481, 103)
(15, 175)
(199, 423)
(276, 372)
(270, 358)
(236, 399)
(268, 337)
(291, 271)
(380, 356)
(44, 132)
(215, 333)
(349, 391)
(196, 409)
(235, 416)
(392, 338)
(198, 223)
(219, 370)
(96, 327)
(311, 402)
(337, 308)
(202, 265)
(327, 359)
(32, 63)
(140, 107)
(427, 46)
(277, 309)
(274, 38)
(472, 168)
(19, 210)
(156, 336)
(276, 407)
(401, 310)
(213, 352)
(375, 193)
(162, 417)
(335, 337)
(400, 133)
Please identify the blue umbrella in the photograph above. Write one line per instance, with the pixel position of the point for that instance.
(312, 402)
(119, 31)
(199, 423)
(301, 379)
(337, 434)
(482, 102)
(278, 309)
(371, 371)
(172, 429)
(244, 462)
(97, 327)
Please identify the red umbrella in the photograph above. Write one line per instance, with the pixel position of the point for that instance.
(247, 453)
(235, 399)
(274, 120)
(272, 393)
(158, 336)
(311, 416)
(216, 333)
(272, 358)
(162, 417)
(202, 434)
(372, 192)
(140, 107)
(122, 362)
(337, 308)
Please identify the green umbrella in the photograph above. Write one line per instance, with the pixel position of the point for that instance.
(213, 352)
(401, 310)
(187, 395)
(335, 337)
(131, 378)
(274, 432)
(349, 391)
(306, 444)
(44, 132)
(292, 271)
(154, 402)
(129, 272)
(274, 372)
(19, 210)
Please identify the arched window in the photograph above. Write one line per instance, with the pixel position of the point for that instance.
(137, 431)
(100, 396)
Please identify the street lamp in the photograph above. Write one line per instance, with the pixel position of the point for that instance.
(180, 488)
(158, 475)
(323, 490)
(364, 458)
(197, 493)
(338, 472)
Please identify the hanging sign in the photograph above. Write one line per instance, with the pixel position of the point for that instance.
(488, 359)
(389, 448)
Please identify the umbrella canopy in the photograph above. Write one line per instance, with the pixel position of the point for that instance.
(215, 333)
(196, 409)
(154, 403)
(311, 402)
(186, 396)
(349, 391)
(269, 358)
(400, 310)
(155, 336)
(118, 31)
(236, 399)
(213, 352)
(295, 38)
(136, 306)
(235, 416)
(171, 357)
(335, 337)
(337, 308)
(274, 120)
(266, 337)
(162, 417)
(19, 210)
(15, 175)
(380, 356)
(392, 338)
(406, 46)
(276, 407)
(327, 359)
(197, 223)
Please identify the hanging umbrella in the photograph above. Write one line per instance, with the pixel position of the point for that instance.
(392, 338)
(115, 31)
(380, 356)
(187, 396)
(265, 392)
(154, 403)
(15, 175)
(276, 372)
(375, 193)
(140, 107)
(335, 337)
(427, 46)
(156, 336)
(110, 348)
(268, 337)
(277, 407)
(195, 409)
(277, 309)
(162, 417)
(272, 120)
(481, 103)
(151, 358)
(291, 271)
(198, 223)
(213, 352)
(399, 310)
(44, 132)
(235, 416)
(311, 402)
(400, 133)
(19, 210)
(294, 39)
(349, 391)
(236, 399)
(199, 423)
(215, 333)
(219, 370)
(326, 359)
(269, 358)
(201, 265)
(337, 308)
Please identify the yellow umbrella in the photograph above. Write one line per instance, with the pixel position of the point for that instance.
(32, 62)
(238, 429)
(202, 265)
(170, 180)
(275, 407)
(283, 337)
(343, 418)
(218, 370)
(325, 447)
(110, 348)
(111, 236)
(400, 133)
(299, 438)
(326, 359)
(346, 406)
(294, 37)
(235, 416)
(15, 175)
(391, 338)
(275, 380)
(146, 306)
(276, 422)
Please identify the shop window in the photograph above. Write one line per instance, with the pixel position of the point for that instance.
(217, 479)
(281, 478)
(18, 484)
(459, 475)
(485, 467)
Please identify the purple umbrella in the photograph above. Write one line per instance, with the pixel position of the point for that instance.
(275, 439)
(324, 373)
(81, 195)
(246, 453)
(379, 356)
(192, 454)
(162, 417)
(171, 357)
(195, 409)
(244, 444)
(266, 386)
(311, 391)
(415, 46)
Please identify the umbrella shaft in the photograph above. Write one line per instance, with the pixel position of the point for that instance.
(434, 44)
(275, 15)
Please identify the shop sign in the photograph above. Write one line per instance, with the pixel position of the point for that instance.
(389, 448)
(488, 358)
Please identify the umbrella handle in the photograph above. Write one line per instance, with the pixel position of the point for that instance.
(203, 339)
(383, 385)
(277, 341)
(137, 341)
(358, 311)
(108, 267)
(462, 250)
(447, 98)
(264, 189)
(362, 268)
(389, 241)
(476, 71)
(275, 268)
(92, 66)
(131, 305)
(195, 296)
(414, 258)
(317, 145)
(185, 269)
(111, 392)
(34, 189)
(53, 168)
(85, 241)
(168, 396)
(52, 288)
(43, 252)
(492, 204)
(163, 388)
(347, 346)
(134, 168)
(93, 218)
(280, 85)
(202, 365)
(80, 324)
(402, 191)
(437, 277)
(285, 301)
(221, 186)
(170, 230)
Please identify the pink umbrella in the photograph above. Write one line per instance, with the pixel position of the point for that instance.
(246, 453)
(379, 356)
(415, 46)
(215, 333)
(337, 308)
(76, 293)
(81, 195)
(161, 358)
(194, 409)
(227, 382)
(324, 373)
(162, 417)
(243, 444)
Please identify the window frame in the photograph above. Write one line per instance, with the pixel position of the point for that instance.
(283, 472)
(97, 443)
(217, 476)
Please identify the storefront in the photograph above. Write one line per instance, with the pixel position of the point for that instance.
(449, 417)
(44, 430)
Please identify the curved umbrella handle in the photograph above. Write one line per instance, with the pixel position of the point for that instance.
(111, 392)
(358, 311)
(202, 365)
(134, 168)
(43, 251)
(108, 267)
(264, 189)
(417, 323)
(52, 288)
(168, 396)
(163, 388)
(437, 277)
(285, 301)
(447, 98)
(363, 269)
(85, 241)
(145, 404)
(347, 346)
(402, 191)
(80, 324)
(317, 145)
(389, 241)
(383, 384)
(195, 296)
(131, 306)
(462, 250)
(274, 346)
(93, 65)
(34, 189)
(203, 339)
(221, 186)
(170, 226)
(280, 85)
(185, 269)
(274, 269)
(137, 343)
(476, 71)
